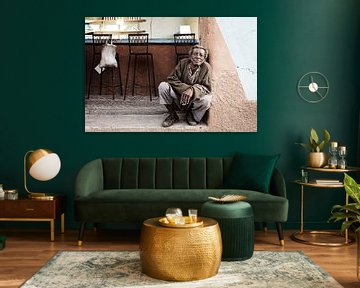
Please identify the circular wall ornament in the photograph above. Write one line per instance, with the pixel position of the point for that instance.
(313, 87)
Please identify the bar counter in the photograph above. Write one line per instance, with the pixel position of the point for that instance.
(152, 41)
(164, 55)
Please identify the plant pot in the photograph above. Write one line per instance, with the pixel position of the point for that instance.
(317, 159)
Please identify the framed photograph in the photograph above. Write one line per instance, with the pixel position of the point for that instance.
(170, 74)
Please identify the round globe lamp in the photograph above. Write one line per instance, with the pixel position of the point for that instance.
(43, 165)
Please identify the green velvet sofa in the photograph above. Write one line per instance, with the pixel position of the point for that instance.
(131, 190)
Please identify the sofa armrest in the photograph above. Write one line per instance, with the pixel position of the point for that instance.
(277, 184)
(89, 179)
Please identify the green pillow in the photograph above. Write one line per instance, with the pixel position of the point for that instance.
(251, 172)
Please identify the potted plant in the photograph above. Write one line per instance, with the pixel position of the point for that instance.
(350, 213)
(317, 157)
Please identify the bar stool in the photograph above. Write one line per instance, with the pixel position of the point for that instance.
(182, 43)
(98, 41)
(139, 46)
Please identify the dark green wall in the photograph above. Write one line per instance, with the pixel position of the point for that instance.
(42, 98)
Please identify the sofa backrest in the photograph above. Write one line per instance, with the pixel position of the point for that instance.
(164, 173)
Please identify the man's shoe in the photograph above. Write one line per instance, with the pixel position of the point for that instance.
(170, 120)
(190, 118)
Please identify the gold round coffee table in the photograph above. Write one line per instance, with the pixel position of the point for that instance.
(180, 254)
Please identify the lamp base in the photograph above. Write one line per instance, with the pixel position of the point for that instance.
(41, 196)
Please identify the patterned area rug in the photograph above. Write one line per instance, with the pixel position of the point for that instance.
(122, 269)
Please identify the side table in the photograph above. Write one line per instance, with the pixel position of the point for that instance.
(297, 235)
(180, 254)
(27, 209)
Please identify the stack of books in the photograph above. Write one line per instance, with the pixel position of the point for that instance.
(327, 181)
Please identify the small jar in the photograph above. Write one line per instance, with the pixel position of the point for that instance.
(2, 192)
(11, 194)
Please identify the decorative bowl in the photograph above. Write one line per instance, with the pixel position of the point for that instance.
(228, 198)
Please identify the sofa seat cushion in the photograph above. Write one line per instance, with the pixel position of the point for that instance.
(166, 195)
(266, 207)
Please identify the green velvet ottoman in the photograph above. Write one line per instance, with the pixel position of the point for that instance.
(236, 221)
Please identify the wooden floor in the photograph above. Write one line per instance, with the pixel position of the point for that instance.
(27, 251)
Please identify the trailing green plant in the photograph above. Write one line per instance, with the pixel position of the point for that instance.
(314, 144)
(349, 214)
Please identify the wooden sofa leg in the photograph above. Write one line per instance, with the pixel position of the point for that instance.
(280, 233)
(81, 233)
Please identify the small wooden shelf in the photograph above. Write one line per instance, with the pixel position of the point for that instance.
(313, 184)
(132, 28)
(348, 169)
(131, 20)
(112, 21)
(118, 32)
(115, 20)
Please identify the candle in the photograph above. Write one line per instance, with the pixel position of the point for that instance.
(342, 149)
(342, 154)
(333, 144)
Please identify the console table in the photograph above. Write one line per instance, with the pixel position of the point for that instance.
(297, 235)
(27, 209)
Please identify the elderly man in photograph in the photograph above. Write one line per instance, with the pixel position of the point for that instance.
(188, 88)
